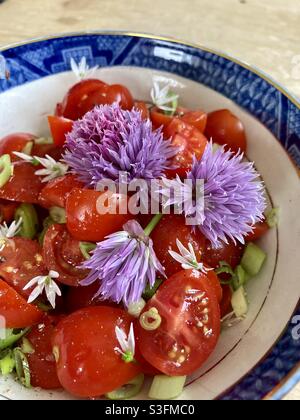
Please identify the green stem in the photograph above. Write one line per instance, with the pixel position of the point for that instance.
(154, 222)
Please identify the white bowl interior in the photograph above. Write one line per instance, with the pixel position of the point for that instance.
(273, 294)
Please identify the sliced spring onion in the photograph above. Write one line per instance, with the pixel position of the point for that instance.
(136, 308)
(239, 302)
(26, 346)
(7, 362)
(6, 169)
(27, 149)
(30, 222)
(10, 337)
(149, 292)
(272, 217)
(58, 215)
(253, 259)
(22, 367)
(166, 387)
(150, 320)
(86, 248)
(239, 278)
(43, 140)
(224, 267)
(129, 390)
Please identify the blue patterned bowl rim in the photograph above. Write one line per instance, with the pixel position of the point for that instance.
(271, 378)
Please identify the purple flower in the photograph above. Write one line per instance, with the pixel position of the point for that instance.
(123, 264)
(231, 198)
(108, 140)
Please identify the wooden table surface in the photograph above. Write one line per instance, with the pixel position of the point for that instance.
(264, 33)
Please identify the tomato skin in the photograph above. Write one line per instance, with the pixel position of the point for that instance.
(159, 118)
(52, 150)
(181, 172)
(164, 236)
(7, 211)
(231, 253)
(180, 335)
(189, 140)
(61, 253)
(21, 261)
(215, 284)
(42, 362)
(15, 309)
(55, 193)
(225, 128)
(120, 94)
(197, 119)
(88, 365)
(225, 305)
(142, 107)
(59, 127)
(85, 223)
(17, 188)
(259, 230)
(15, 143)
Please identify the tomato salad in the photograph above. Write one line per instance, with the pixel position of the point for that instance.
(92, 302)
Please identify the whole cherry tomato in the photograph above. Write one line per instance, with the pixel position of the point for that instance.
(230, 253)
(226, 129)
(15, 143)
(84, 221)
(85, 342)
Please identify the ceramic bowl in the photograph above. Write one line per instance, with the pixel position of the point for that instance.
(254, 357)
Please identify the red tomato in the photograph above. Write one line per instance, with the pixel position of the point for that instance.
(83, 220)
(259, 230)
(215, 284)
(52, 150)
(142, 107)
(59, 127)
(62, 254)
(190, 326)
(225, 305)
(55, 193)
(16, 311)
(88, 364)
(85, 95)
(20, 261)
(24, 186)
(230, 253)
(15, 143)
(170, 228)
(145, 367)
(189, 140)
(7, 211)
(42, 362)
(225, 128)
(181, 172)
(84, 296)
(196, 118)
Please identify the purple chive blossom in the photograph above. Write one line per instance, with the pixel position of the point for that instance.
(232, 197)
(108, 140)
(124, 263)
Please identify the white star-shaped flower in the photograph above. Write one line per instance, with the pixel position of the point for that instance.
(187, 258)
(82, 70)
(9, 232)
(44, 283)
(164, 98)
(127, 344)
(53, 169)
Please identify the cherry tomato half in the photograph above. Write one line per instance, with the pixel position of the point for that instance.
(55, 193)
(20, 261)
(196, 118)
(190, 324)
(164, 236)
(189, 140)
(15, 310)
(225, 305)
(225, 128)
(62, 254)
(7, 211)
(24, 186)
(88, 364)
(41, 361)
(59, 127)
(84, 221)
